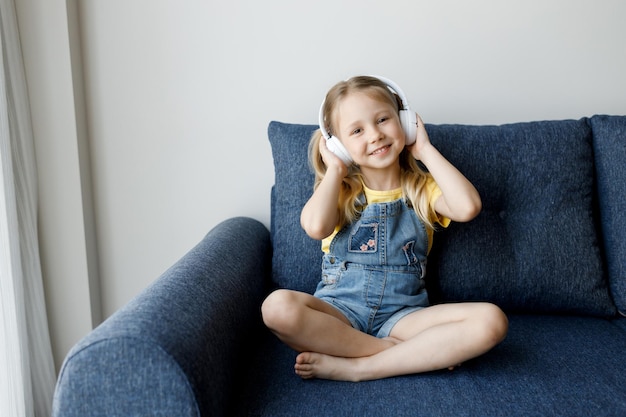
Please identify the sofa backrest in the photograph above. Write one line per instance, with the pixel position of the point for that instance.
(535, 247)
(609, 147)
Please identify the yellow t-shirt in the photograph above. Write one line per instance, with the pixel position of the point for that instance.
(373, 196)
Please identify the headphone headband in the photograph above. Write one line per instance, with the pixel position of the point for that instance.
(395, 88)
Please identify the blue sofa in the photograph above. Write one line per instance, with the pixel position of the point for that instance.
(549, 248)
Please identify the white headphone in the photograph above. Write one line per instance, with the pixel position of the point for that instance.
(408, 121)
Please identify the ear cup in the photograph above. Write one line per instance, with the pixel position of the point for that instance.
(408, 119)
(332, 143)
(335, 146)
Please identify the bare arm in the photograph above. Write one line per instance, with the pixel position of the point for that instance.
(320, 214)
(460, 200)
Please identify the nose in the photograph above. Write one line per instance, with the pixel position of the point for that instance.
(376, 134)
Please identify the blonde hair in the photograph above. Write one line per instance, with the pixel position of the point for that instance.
(413, 178)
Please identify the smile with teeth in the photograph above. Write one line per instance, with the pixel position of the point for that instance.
(380, 150)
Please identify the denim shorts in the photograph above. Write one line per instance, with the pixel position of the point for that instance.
(373, 298)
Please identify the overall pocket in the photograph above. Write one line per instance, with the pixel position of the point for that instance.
(364, 239)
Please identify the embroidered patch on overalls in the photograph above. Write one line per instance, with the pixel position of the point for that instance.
(364, 239)
(409, 253)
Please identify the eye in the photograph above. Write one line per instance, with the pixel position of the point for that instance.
(383, 119)
(356, 131)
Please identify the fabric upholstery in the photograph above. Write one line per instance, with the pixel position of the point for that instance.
(192, 343)
(296, 260)
(548, 366)
(534, 247)
(609, 146)
(176, 349)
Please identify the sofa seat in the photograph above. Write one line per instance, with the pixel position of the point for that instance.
(547, 366)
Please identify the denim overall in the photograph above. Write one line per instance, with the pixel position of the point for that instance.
(374, 270)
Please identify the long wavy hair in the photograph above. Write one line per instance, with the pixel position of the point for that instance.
(413, 178)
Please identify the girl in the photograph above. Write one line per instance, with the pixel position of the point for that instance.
(369, 317)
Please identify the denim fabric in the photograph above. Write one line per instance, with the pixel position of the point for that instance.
(547, 366)
(374, 270)
(609, 146)
(534, 248)
(177, 348)
(373, 298)
(386, 234)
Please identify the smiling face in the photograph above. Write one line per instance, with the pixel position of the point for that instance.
(370, 131)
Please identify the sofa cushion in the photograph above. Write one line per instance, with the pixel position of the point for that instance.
(296, 260)
(533, 248)
(609, 146)
(547, 366)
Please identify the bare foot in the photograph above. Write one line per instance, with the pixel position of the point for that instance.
(317, 365)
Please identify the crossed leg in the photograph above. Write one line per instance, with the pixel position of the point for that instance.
(308, 324)
(436, 337)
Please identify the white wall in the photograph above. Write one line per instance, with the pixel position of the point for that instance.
(178, 96)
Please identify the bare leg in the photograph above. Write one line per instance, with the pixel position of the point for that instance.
(435, 338)
(307, 323)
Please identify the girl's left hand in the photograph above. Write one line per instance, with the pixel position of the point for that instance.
(422, 140)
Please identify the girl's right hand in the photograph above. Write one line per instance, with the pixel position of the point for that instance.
(332, 161)
(320, 214)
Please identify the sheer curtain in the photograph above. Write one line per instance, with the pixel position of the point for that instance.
(27, 374)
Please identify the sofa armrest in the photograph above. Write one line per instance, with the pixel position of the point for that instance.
(176, 348)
